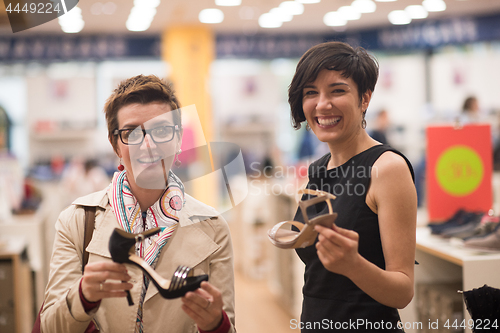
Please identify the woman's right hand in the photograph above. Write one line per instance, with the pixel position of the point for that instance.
(94, 285)
(204, 306)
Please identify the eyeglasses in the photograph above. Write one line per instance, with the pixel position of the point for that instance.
(135, 136)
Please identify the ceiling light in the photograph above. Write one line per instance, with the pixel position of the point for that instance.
(399, 17)
(141, 15)
(134, 24)
(334, 19)
(416, 12)
(228, 2)
(434, 5)
(349, 13)
(140, 18)
(308, 1)
(364, 6)
(211, 16)
(72, 22)
(281, 15)
(268, 20)
(146, 3)
(74, 28)
(292, 7)
(386, 0)
(137, 25)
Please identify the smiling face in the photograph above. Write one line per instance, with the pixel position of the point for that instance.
(332, 107)
(147, 164)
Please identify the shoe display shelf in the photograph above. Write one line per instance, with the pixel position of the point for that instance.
(16, 288)
(443, 261)
(286, 276)
(30, 229)
(37, 230)
(254, 255)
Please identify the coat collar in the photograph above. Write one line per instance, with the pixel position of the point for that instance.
(192, 212)
(96, 199)
(195, 211)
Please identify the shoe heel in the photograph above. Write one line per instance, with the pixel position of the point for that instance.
(121, 246)
(129, 298)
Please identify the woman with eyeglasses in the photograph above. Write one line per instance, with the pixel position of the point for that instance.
(124, 288)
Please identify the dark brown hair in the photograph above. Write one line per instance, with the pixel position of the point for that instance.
(469, 101)
(353, 63)
(140, 89)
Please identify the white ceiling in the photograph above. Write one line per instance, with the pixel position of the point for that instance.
(182, 12)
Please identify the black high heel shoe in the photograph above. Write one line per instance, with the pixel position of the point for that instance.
(122, 250)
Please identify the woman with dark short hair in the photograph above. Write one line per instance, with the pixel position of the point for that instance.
(359, 271)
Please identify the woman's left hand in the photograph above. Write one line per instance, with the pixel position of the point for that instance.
(204, 306)
(337, 249)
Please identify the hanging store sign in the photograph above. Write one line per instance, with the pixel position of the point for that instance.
(265, 46)
(459, 170)
(428, 34)
(81, 47)
(425, 35)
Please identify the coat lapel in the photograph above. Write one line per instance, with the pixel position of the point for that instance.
(104, 227)
(188, 246)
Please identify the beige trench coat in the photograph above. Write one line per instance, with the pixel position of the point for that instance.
(201, 241)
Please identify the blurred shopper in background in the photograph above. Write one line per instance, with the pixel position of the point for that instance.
(379, 133)
(145, 130)
(362, 269)
(82, 177)
(496, 145)
(470, 111)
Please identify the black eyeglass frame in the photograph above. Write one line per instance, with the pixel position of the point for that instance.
(118, 132)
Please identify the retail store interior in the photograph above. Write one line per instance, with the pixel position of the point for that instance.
(231, 62)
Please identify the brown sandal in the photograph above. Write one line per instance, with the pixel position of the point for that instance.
(289, 239)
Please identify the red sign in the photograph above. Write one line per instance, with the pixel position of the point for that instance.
(459, 169)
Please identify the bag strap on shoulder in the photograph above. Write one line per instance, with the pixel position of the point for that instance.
(88, 231)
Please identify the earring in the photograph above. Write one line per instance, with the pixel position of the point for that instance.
(363, 122)
(308, 128)
(177, 161)
(120, 166)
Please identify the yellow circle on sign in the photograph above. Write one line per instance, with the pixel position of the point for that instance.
(459, 170)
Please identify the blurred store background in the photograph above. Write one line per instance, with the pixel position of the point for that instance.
(234, 60)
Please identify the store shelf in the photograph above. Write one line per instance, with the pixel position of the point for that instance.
(29, 230)
(447, 250)
(444, 261)
(16, 304)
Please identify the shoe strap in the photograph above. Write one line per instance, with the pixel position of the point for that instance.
(179, 277)
(146, 234)
(320, 197)
(272, 232)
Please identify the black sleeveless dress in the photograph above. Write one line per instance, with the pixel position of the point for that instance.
(331, 301)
